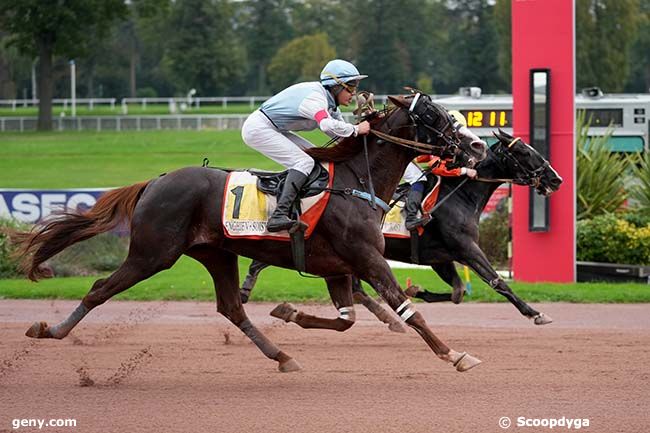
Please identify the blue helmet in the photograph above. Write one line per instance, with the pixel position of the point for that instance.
(339, 72)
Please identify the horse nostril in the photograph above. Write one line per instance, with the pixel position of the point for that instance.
(479, 147)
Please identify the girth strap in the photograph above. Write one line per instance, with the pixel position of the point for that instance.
(366, 196)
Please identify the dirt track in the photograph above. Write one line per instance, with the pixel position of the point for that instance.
(180, 367)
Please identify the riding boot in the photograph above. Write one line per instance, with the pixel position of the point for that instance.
(413, 206)
(281, 219)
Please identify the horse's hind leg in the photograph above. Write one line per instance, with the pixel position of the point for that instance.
(340, 288)
(134, 269)
(223, 267)
(360, 296)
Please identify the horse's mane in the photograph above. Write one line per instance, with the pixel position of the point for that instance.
(347, 147)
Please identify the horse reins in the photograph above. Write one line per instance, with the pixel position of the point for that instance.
(410, 144)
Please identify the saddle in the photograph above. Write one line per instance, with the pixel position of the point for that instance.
(271, 182)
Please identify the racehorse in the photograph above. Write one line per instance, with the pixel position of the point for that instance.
(453, 233)
(180, 213)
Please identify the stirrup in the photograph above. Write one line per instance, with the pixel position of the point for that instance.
(418, 222)
(278, 226)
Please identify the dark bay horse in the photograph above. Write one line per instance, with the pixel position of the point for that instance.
(453, 233)
(180, 213)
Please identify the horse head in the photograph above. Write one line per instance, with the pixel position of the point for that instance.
(526, 165)
(435, 126)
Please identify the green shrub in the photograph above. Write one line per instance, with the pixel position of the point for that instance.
(637, 219)
(640, 191)
(100, 254)
(8, 265)
(146, 92)
(601, 173)
(611, 239)
(493, 238)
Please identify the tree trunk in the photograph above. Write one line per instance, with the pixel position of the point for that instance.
(45, 84)
(90, 79)
(134, 59)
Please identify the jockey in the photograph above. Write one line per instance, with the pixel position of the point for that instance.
(302, 107)
(414, 176)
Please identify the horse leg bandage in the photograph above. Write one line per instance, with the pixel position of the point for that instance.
(494, 283)
(347, 313)
(405, 311)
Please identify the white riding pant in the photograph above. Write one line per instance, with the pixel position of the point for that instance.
(413, 173)
(285, 148)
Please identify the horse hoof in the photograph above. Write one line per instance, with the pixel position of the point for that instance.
(466, 362)
(284, 311)
(457, 296)
(542, 319)
(396, 327)
(288, 366)
(411, 291)
(38, 330)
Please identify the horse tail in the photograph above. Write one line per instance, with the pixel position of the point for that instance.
(50, 237)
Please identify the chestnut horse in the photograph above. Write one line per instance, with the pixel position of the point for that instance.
(180, 213)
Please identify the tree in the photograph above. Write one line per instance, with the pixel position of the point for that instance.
(14, 72)
(386, 45)
(309, 17)
(49, 28)
(302, 59)
(640, 59)
(202, 52)
(503, 25)
(605, 31)
(265, 27)
(473, 48)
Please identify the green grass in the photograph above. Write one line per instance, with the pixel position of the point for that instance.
(110, 159)
(188, 280)
(92, 159)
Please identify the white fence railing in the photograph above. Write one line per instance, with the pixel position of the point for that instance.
(131, 123)
(66, 102)
(224, 101)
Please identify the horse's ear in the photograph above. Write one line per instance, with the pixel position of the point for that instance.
(399, 101)
(503, 136)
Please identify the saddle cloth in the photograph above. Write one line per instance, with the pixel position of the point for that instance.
(394, 224)
(246, 209)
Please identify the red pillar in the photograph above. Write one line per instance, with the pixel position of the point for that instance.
(543, 36)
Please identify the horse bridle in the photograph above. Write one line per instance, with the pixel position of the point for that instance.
(452, 143)
(530, 177)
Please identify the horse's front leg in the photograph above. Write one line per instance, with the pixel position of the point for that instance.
(340, 288)
(372, 267)
(476, 259)
(360, 296)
